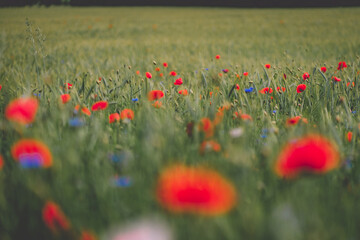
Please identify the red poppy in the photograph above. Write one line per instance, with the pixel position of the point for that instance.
(0, 87)
(197, 190)
(173, 73)
(237, 87)
(217, 56)
(31, 153)
(86, 235)
(336, 79)
(300, 88)
(68, 85)
(323, 69)
(1, 162)
(225, 107)
(155, 94)
(220, 114)
(211, 145)
(341, 65)
(148, 75)
(207, 127)
(267, 66)
(101, 105)
(295, 120)
(184, 92)
(114, 117)
(246, 117)
(137, 72)
(22, 110)
(161, 74)
(157, 69)
(306, 76)
(218, 118)
(352, 84)
(157, 104)
(65, 98)
(266, 90)
(279, 89)
(312, 153)
(349, 136)
(225, 70)
(127, 114)
(54, 217)
(165, 64)
(178, 81)
(84, 110)
(246, 74)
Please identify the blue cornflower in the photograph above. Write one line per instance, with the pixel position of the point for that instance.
(264, 133)
(30, 164)
(353, 112)
(115, 157)
(30, 160)
(274, 111)
(207, 69)
(121, 181)
(135, 99)
(76, 122)
(120, 157)
(249, 90)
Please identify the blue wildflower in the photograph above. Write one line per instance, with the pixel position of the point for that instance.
(135, 99)
(274, 111)
(121, 181)
(353, 112)
(207, 69)
(120, 157)
(76, 122)
(32, 160)
(264, 133)
(115, 157)
(249, 90)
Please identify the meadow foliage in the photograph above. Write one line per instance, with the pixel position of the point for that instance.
(179, 123)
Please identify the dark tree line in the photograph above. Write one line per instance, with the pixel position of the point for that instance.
(211, 3)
